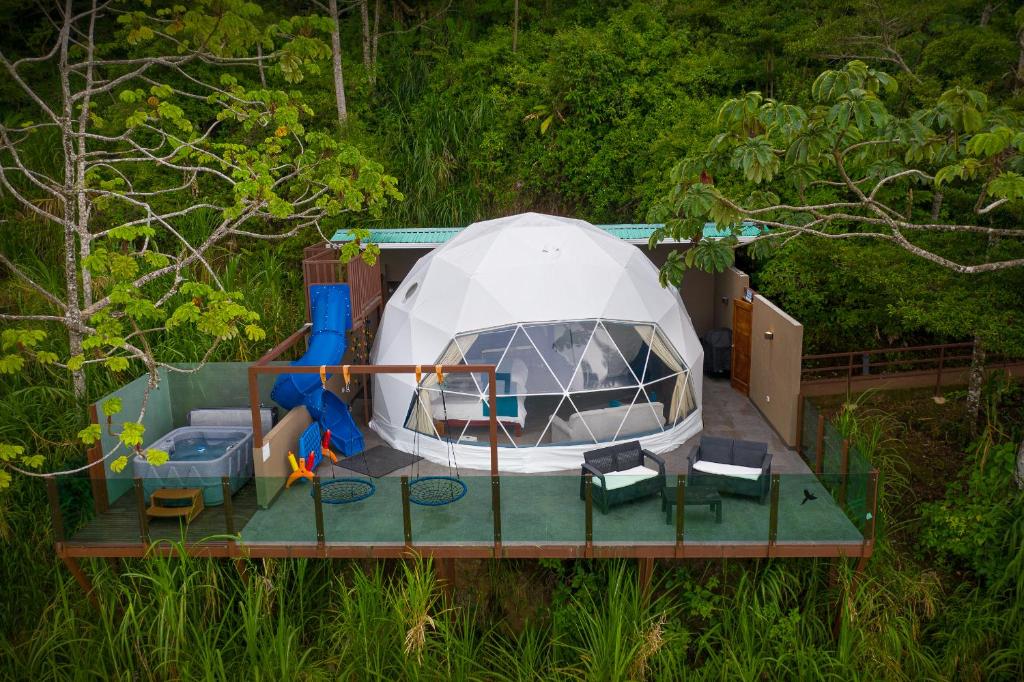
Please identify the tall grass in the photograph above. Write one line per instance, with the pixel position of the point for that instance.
(186, 618)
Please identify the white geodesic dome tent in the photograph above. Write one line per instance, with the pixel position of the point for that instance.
(590, 349)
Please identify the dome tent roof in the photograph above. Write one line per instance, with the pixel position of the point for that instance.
(524, 268)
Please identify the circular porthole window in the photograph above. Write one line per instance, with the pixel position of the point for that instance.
(411, 291)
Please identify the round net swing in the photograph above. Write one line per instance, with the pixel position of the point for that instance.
(345, 490)
(337, 490)
(436, 491)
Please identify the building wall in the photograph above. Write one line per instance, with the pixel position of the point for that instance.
(698, 292)
(396, 264)
(775, 366)
(729, 285)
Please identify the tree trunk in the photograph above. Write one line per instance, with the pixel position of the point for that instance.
(986, 14)
(1020, 59)
(515, 25)
(339, 76)
(975, 381)
(364, 14)
(936, 206)
(1019, 474)
(259, 65)
(69, 201)
(375, 40)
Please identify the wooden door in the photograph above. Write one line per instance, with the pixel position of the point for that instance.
(741, 314)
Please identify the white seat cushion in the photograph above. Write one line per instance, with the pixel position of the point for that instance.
(730, 470)
(621, 479)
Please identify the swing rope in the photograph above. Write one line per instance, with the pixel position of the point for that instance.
(436, 491)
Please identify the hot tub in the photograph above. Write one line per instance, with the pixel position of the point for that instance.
(199, 456)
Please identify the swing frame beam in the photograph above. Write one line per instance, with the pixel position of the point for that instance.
(263, 366)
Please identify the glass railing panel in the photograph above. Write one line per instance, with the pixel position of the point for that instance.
(448, 508)
(542, 509)
(810, 512)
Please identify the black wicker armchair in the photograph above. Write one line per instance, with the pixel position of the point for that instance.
(614, 482)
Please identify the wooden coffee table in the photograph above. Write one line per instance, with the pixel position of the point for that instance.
(695, 496)
(158, 507)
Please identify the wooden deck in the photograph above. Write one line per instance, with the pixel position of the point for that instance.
(120, 524)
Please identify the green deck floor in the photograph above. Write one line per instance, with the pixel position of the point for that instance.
(547, 510)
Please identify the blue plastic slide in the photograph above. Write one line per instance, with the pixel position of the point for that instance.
(331, 310)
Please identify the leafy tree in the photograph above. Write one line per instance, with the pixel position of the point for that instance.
(165, 150)
(846, 168)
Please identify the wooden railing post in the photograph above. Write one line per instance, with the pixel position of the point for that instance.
(938, 373)
(871, 502)
(318, 512)
(819, 456)
(773, 514)
(800, 424)
(849, 373)
(588, 510)
(229, 510)
(680, 512)
(844, 470)
(140, 509)
(406, 514)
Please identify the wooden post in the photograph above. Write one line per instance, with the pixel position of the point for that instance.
(140, 509)
(680, 512)
(819, 459)
(446, 575)
(938, 373)
(254, 407)
(53, 495)
(318, 511)
(872, 504)
(229, 512)
(800, 425)
(773, 514)
(849, 373)
(645, 572)
(406, 513)
(844, 470)
(81, 578)
(588, 510)
(492, 422)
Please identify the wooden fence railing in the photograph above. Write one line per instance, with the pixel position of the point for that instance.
(945, 362)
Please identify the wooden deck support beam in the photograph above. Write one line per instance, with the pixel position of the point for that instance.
(645, 574)
(445, 571)
(75, 569)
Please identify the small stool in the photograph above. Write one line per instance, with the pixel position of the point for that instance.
(158, 507)
(695, 495)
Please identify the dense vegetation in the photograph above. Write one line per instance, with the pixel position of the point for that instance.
(586, 116)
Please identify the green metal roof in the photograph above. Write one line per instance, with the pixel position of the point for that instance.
(429, 237)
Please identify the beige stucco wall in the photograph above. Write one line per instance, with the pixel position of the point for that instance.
(729, 285)
(775, 366)
(698, 293)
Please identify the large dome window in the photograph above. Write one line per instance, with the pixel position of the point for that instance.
(558, 383)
